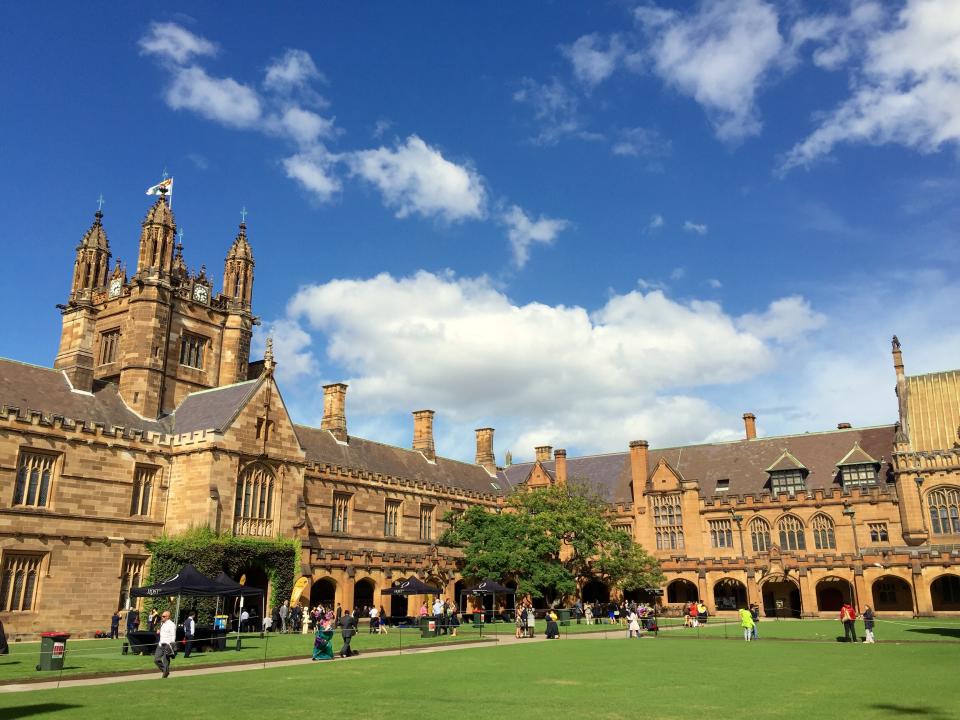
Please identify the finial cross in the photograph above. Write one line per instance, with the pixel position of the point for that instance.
(165, 176)
(180, 236)
(243, 214)
(100, 202)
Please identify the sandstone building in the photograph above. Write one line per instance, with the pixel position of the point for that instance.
(153, 420)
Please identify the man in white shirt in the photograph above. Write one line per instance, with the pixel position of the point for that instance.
(189, 628)
(166, 644)
(244, 618)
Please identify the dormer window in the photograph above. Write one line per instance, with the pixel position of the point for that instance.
(857, 468)
(788, 481)
(723, 485)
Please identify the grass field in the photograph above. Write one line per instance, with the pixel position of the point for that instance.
(89, 657)
(583, 678)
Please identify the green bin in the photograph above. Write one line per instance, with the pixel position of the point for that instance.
(53, 646)
(428, 627)
(477, 619)
(564, 614)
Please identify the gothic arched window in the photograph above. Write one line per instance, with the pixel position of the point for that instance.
(253, 508)
(823, 535)
(760, 534)
(944, 504)
(791, 533)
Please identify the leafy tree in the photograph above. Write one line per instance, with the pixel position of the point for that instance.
(546, 539)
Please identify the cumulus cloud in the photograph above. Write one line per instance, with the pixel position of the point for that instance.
(593, 57)
(714, 283)
(291, 349)
(907, 92)
(222, 100)
(555, 109)
(656, 222)
(641, 142)
(294, 69)
(718, 55)
(169, 41)
(786, 319)
(698, 228)
(315, 171)
(416, 178)
(523, 232)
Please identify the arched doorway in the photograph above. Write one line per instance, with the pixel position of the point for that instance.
(595, 592)
(781, 598)
(832, 593)
(363, 591)
(892, 594)
(682, 591)
(729, 594)
(945, 593)
(253, 576)
(459, 599)
(324, 592)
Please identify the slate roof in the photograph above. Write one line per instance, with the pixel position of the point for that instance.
(857, 456)
(743, 462)
(33, 388)
(321, 447)
(212, 409)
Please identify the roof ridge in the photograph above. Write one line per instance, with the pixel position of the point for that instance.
(214, 389)
(936, 372)
(26, 364)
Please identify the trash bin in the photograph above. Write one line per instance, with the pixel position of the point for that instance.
(53, 646)
(477, 619)
(428, 628)
(564, 614)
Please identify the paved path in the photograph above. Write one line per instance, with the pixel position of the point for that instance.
(617, 634)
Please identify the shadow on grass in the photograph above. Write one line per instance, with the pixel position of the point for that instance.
(39, 709)
(910, 710)
(944, 631)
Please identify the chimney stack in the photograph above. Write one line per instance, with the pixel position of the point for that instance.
(750, 425)
(423, 433)
(897, 357)
(334, 410)
(639, 449)
(560, 470)
(543, 453)
(844, 426)
(485, 456)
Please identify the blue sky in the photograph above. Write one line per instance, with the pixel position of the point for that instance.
(579, 223)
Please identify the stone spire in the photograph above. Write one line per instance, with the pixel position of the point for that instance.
(157, 240)
(238, 270)
(268, 362)
(92, 262)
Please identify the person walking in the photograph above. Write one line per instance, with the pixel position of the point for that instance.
(868, 620)
(284, 612)
(692, 611)
(755, 614)
(454, 621)
(382, 624)
(115, 625)
(133, 620)
(189, 629)
(323, 639)
(167, 644)
(746, 622)
(634, 624)
(848, 617)
(348, 628)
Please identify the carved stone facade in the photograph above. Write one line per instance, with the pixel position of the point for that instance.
(153, 421)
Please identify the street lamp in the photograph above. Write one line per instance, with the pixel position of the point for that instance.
(923, 515)
(738, 519)
(849, 512)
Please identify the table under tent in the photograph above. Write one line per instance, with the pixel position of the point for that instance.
(488, 588)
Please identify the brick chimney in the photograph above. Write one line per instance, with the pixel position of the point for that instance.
(844, 426)
(560, 470)
(639, 449)
(543, 453)
(750, 425)
(485, 456)
(334, 410)
(423, 433)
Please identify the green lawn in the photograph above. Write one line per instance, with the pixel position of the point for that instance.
(86, 657)
(886, 630)
(656, 679)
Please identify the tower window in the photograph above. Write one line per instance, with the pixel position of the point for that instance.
(426, 522)
(109, 346)
(339, 512)
(192, 348)
(143, 479)
(34, 477)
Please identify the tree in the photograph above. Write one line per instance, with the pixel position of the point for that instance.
(546, 539)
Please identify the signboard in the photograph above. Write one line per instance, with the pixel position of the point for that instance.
(58, 648)
(779, 604)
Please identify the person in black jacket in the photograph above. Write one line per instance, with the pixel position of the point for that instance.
(348, 628)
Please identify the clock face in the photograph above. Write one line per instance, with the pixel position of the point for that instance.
(116, 285)
(201, 293)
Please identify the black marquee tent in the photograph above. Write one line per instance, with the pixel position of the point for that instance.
(188, 581)
(492, 588)
(413, 586)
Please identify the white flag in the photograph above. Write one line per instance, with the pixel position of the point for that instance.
(168, 184)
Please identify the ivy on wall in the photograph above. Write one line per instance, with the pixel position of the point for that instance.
(211, 553)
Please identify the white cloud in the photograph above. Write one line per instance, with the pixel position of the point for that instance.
(314, 170)
(170, 41)
(524, 232)
(223, 100)
(555, 109)
(656, 222)
(592, 63)
(416, 178)
(786, 319)
(907, 92)
(836, 37)
(678, 273)
(719, 56)
(698, 228)
(305, 127)
(714, 283)
(641, 142)
(291, 349)
(381, 127)
(294, 69)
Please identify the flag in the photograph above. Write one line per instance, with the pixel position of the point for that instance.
(168, 184)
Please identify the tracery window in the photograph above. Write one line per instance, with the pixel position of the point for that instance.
(878, 532)
(253, 510)
(721, 534)
(391, 519)
(824, 537)
(426, 522)
(791, 534)
(760, 535)
(944, 504)
(18, 587)
(668, 521)
(339, 512)
(34, 477)
(143, 478)
(131, 577)
(109, 346)
(192, 348)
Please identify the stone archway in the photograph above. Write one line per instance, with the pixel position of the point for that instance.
(729, 594)
(832, 593)
(364, 594)
(324, 592)
(945, 593)
(595, 592)
(682, 591)
(892, 594)
(781, 597)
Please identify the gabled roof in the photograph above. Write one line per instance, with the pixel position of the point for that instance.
(370, 456)
(786, 462)
(212, 409)
(857, 456)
